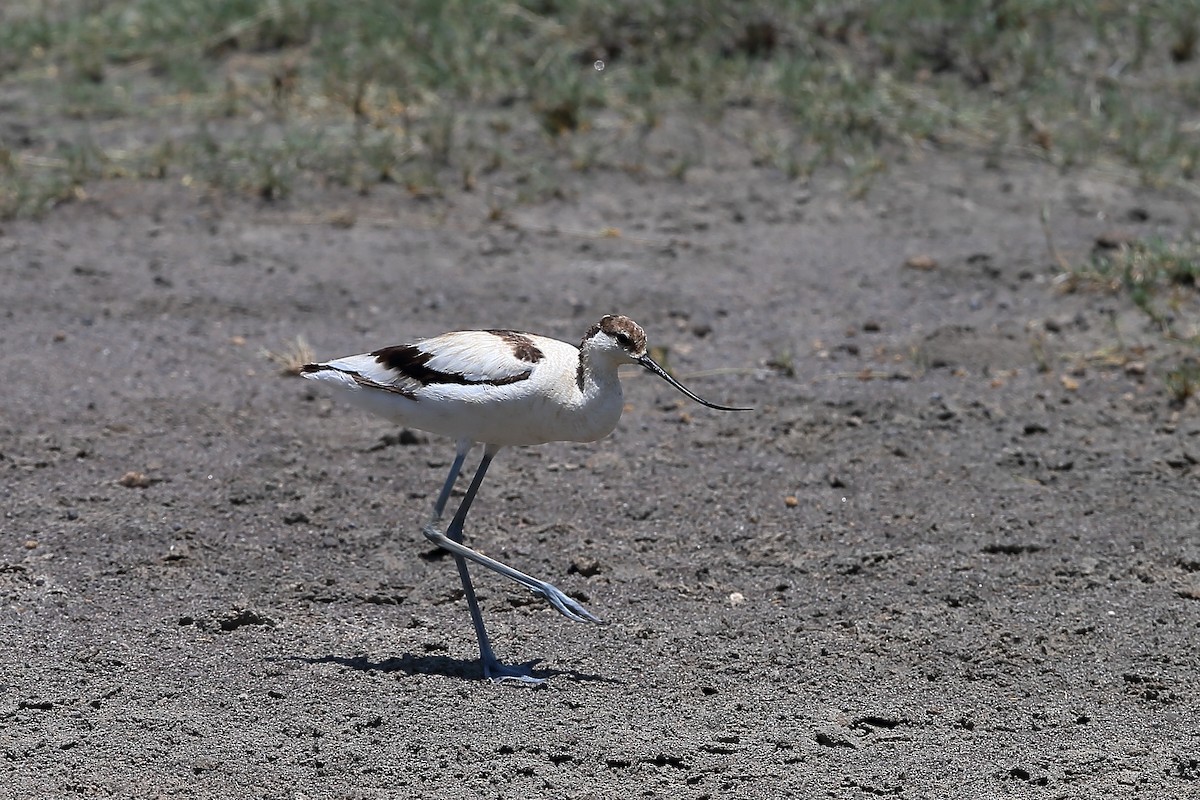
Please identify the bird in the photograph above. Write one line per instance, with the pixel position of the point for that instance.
(502, 388)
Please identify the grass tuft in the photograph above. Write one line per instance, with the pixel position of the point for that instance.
(1162, 280)
(1183, 382)
(291, 358)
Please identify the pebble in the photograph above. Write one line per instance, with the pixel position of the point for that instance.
(921, 263)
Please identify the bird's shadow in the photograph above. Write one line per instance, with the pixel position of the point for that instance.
(446, 666)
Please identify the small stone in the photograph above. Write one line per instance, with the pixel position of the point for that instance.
(833, 735)
(791, 501)
(921, 263)
(1191, 592)
(135, 480)
(736, 598)
(587, 567)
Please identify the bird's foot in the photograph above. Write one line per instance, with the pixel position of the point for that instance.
(521, 674)
(566, 606)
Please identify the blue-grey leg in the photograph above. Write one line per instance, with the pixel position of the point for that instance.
(463, 447)
(452, 540)
(492, 668)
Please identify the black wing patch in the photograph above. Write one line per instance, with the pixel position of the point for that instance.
(411, 362)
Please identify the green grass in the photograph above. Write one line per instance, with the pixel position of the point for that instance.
(1162, 280)
(1183, 380)
(260, 97)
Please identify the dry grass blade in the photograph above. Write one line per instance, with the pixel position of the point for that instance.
(291, 358)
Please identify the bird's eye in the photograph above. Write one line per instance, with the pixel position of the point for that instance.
(624, 340)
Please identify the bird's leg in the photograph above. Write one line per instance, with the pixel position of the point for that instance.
(452, 540)
(492, 668)
(565, 605)
(464, 447)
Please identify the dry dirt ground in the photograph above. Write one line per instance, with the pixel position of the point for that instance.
(952, 553)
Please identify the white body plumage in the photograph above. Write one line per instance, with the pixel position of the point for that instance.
(502, 388)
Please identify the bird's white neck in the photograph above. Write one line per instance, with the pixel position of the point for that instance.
(600, 397)
(597, 373)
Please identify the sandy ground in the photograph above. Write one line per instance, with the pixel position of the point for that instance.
(922, 567)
